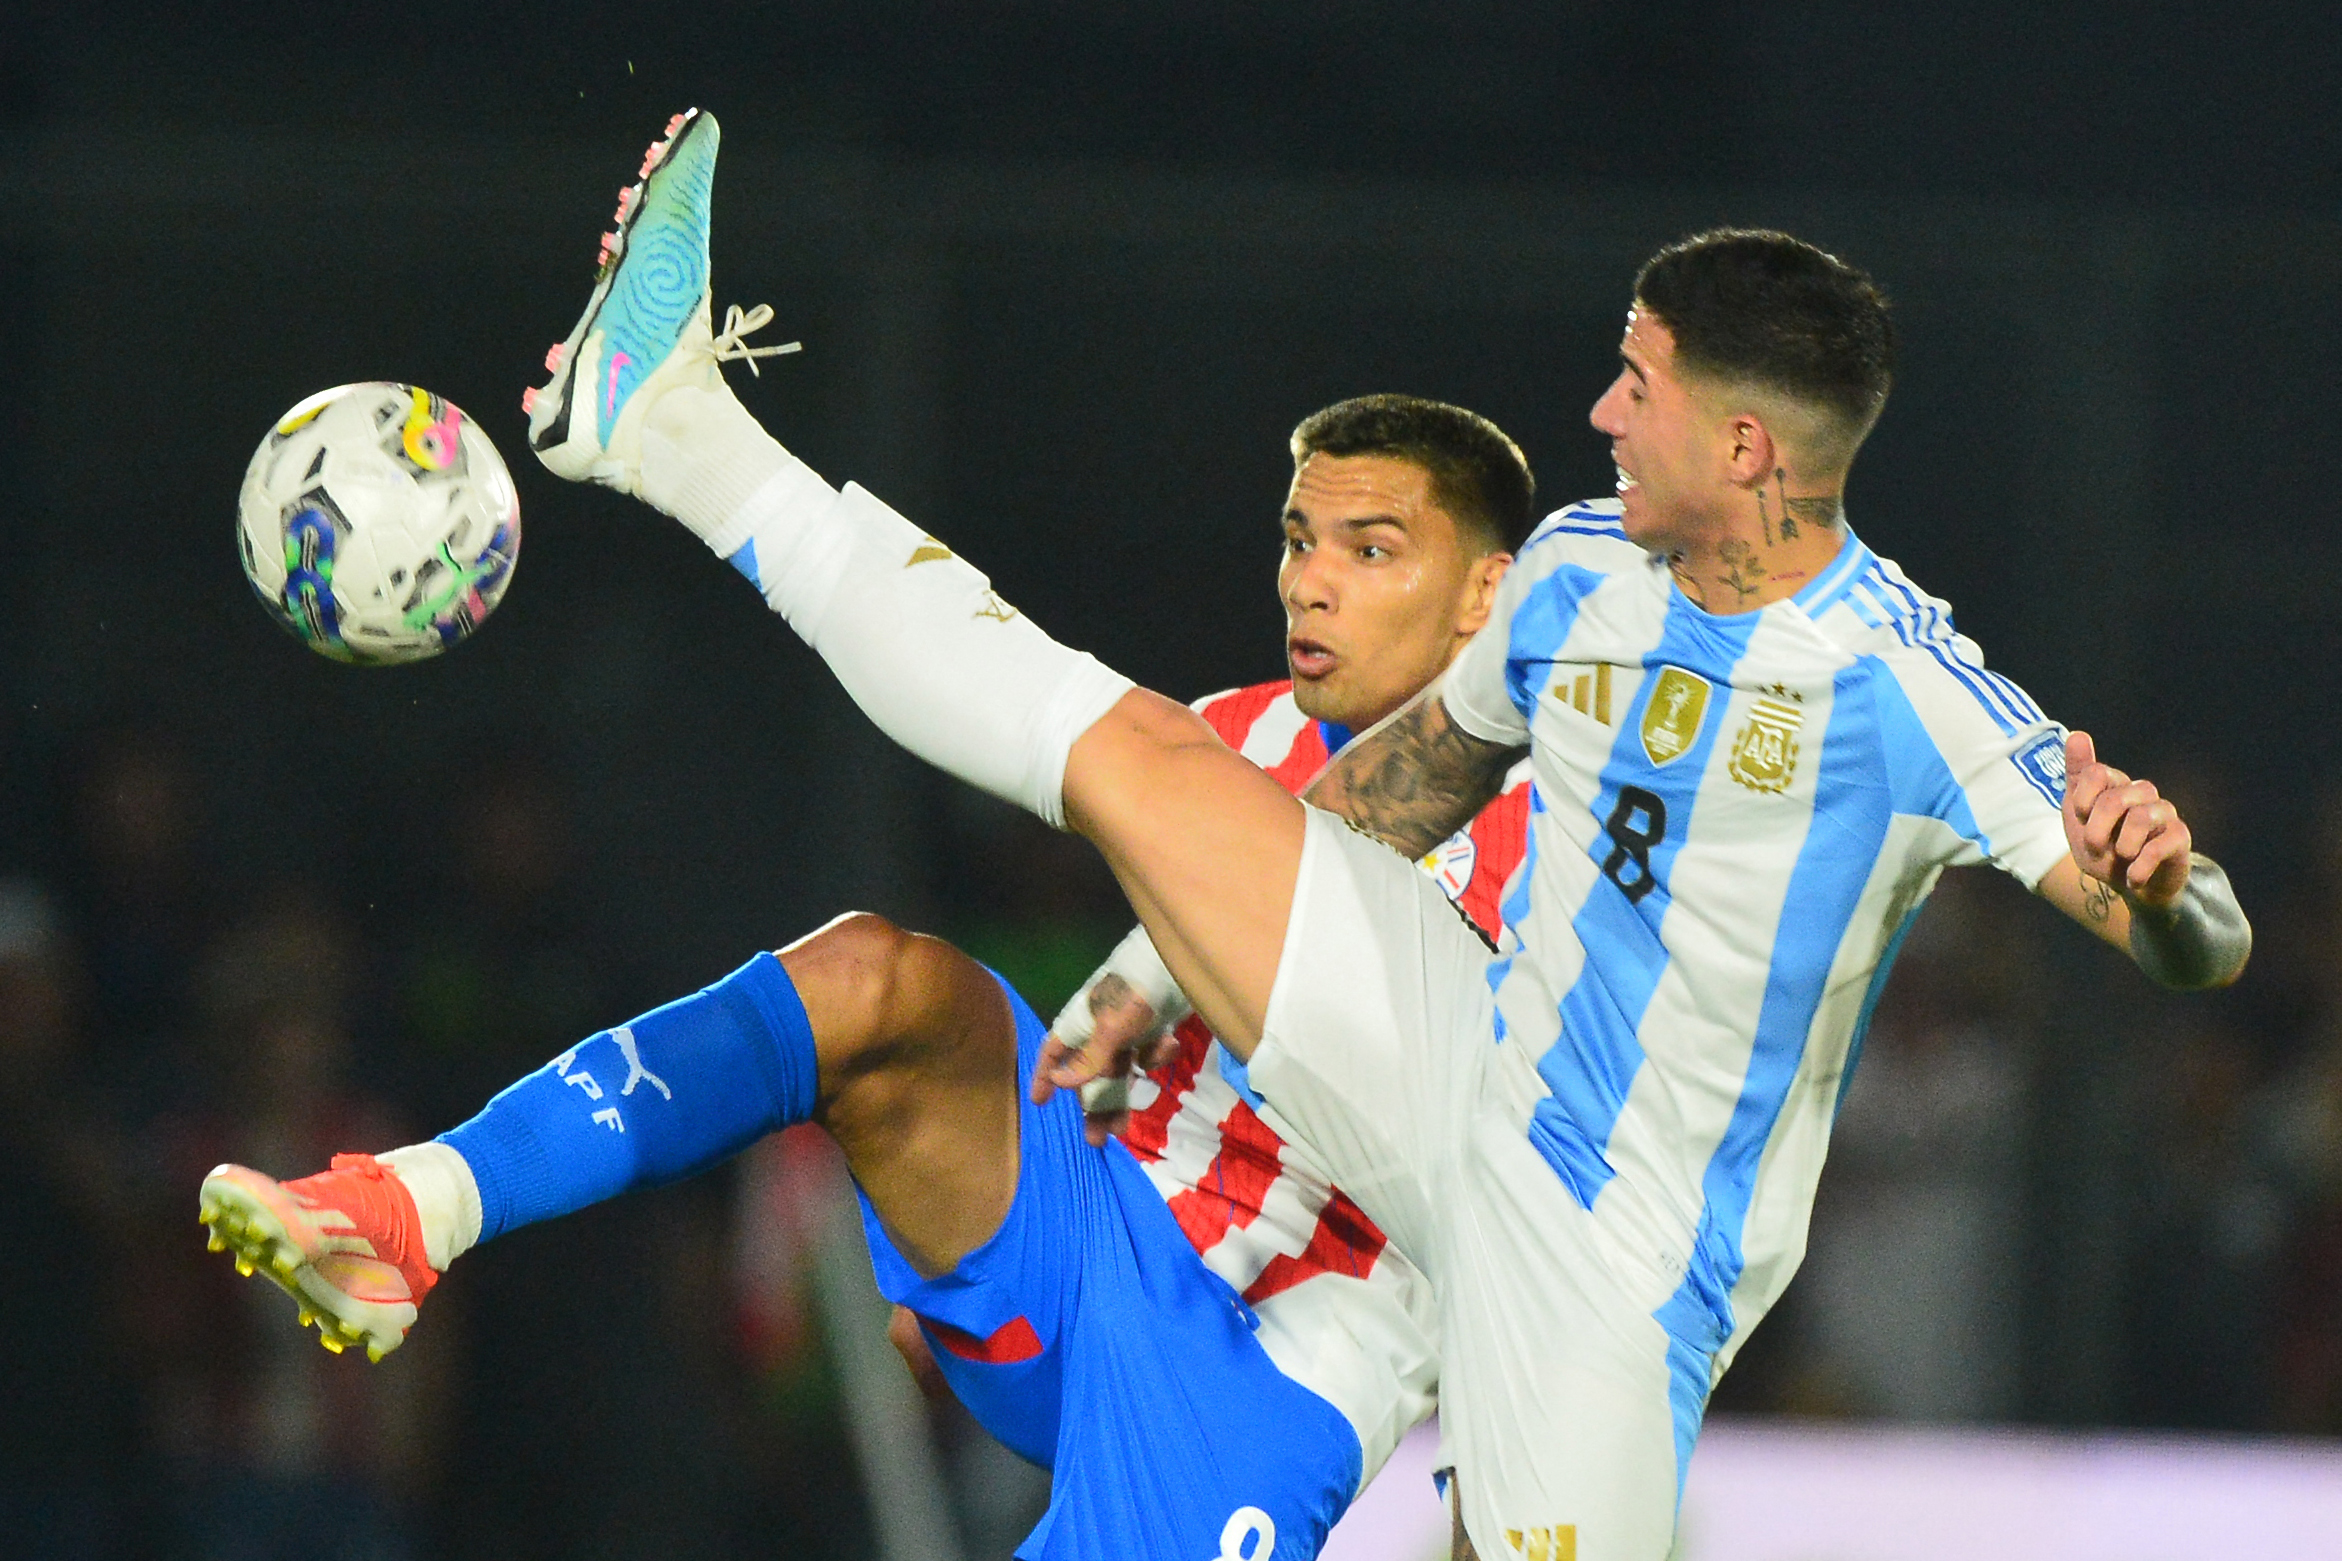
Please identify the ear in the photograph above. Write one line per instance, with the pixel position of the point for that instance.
(1749, 449)
(1479, 599)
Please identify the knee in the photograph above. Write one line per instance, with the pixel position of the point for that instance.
(1150, 720)
(879, 997)
(853, 977)
(1123, 765)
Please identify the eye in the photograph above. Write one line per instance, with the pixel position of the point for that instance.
(1296, 544)
(1372, 551)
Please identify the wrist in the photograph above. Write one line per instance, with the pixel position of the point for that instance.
(2161, 914)
(2200, 938)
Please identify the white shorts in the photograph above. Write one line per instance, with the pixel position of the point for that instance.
(1378, 1052)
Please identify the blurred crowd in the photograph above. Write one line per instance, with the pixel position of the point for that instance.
(2030, 1131)
(609, 1385)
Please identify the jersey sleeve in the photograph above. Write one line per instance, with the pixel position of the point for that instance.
(1571, 552)
(1476, 688)
(1970, 748)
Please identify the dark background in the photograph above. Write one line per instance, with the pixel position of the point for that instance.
(1066, 276)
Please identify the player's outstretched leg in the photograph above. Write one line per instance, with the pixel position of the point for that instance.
(1205, 844)
(902, 1047)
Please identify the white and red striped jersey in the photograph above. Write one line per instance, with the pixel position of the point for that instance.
(1339, 1312)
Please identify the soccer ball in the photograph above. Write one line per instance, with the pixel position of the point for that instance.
(377, 523)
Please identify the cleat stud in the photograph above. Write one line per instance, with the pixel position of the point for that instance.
(217, 1243)
(329, 1341)
(676, 123)
(307, 1317)
(243, 1265)
(207, 1215)
(553, 358)
(528, 399)
(375, 1352)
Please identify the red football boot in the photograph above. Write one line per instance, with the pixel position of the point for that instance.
(346, 1244)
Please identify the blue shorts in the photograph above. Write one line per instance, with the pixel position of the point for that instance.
(1088, 1336)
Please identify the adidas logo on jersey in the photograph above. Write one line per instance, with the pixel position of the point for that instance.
(1588, 693)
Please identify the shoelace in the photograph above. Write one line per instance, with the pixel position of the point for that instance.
(728, 346)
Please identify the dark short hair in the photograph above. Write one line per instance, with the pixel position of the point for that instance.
(1478, 475)
(1755, 307)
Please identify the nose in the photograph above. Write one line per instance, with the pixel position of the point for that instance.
(1607, 414)
(1308, 583)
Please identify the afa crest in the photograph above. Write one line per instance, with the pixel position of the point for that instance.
(1764, 755)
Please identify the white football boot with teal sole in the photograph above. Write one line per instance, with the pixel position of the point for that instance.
(646, 327)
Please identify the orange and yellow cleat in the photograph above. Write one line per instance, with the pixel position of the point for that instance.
(346, 1244)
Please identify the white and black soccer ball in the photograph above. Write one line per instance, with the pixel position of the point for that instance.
(378, 524)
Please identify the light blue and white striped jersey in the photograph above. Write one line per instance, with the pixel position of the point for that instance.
(1735, 819)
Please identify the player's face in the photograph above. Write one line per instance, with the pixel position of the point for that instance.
(1381, 587)
(1672, 477)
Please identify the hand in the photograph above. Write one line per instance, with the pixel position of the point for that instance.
(1125, 1038)
(2123, 832)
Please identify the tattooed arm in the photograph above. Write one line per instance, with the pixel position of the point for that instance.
(2133, 877)
(1415, 779)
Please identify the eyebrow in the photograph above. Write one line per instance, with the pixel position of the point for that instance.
(1635, 368)
(1293, 515)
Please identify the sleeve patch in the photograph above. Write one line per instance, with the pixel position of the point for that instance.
(2043, 763)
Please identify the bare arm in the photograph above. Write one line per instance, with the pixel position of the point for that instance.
(1415, 779)
(2133, 877)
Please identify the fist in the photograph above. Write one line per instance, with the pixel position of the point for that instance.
(2123, 832)
(1126, 1039)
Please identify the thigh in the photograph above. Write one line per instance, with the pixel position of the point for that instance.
(1089, 1336)
(918, 1079)
(1180, 1436)
(1377, 1034)
(1205, 846)
(1566, 1408)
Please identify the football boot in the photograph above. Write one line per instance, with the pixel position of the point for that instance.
(646, 326)
(346, 1244)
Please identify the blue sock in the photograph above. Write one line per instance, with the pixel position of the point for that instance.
(678, 1090)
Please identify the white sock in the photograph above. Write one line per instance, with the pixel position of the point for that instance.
(916, 635)
(445, 1195)
(703, 455)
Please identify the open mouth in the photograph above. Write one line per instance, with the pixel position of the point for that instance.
(1626, 480)
(1308, 659)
